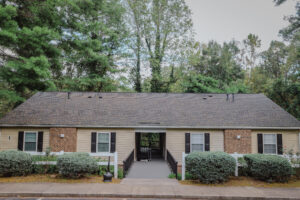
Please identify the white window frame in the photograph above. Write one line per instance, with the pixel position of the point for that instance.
(267, 143)
(109, 142)
(36, 140)
(191, 142)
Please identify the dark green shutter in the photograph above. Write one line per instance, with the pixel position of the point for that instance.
(187, 142)
(40, 141)
(279, 144)
(93, 142)
(207, 141)
(112, 142)
(20, 140)
(260, 147)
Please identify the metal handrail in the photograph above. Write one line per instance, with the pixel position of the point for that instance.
(172, 162)
(127, 163)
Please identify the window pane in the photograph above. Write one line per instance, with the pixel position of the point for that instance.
(103, 138)
(197, 147)
(30, 146)
(30, 137)
(103, 147)
(270, 148)
(269, 139)
(197, 138)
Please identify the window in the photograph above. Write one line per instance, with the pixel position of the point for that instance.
(30, 141)
(103, 142)
(197, 142)
(270, 141)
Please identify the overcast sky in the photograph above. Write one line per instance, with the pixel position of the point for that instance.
(223, 20)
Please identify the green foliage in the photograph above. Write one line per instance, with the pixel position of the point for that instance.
(269, 168)
(44, 169)
(287, 95)
(76, 165)
(202, 84)
(172, 176)
(15, 163)
(210, 167)
(44, 158)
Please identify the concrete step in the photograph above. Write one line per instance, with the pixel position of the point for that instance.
(154, 182)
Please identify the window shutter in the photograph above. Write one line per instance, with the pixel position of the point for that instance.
(207, 141)
(260, 143)
(187, 142)
(93, 142)
(40, 141)
(112, 142)
(279, 144)
(20, 140)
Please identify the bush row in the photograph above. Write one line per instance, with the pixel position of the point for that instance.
(73, 165)
(217, 167)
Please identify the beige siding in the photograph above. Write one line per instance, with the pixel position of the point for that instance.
(125, 139)
(9, 137)
(175, 141)
(290, 139)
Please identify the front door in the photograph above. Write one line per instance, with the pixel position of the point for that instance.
(149, 145)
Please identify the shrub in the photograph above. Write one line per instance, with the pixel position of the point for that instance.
(210, 167)
(15, 163)
(44, 169)
(172, 176)
(76, 165)
(270, 168)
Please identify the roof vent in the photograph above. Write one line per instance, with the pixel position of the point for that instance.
(69, 95)
(232, 97)
(89, 97)
(100, 97)
(204, 98)
(227, 97)
(210, 95)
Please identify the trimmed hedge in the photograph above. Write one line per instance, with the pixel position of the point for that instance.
(15, 163)
(269, 168)
(76, 165)
(44, 169)
(210, 167)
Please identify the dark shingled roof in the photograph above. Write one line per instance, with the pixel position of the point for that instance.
(88, 109)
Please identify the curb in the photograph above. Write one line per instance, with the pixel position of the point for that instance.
(141, 196)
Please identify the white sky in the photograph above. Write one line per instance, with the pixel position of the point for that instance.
(223, 20)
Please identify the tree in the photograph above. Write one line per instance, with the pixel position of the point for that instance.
(274, 59)
(287, 95)
(249, 53)
(163, 24)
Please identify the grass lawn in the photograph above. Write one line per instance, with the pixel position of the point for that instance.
(53, 178)
(245, 181)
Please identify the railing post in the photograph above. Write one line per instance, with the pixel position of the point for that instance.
(116, 165)
(183, 166)
(236, 173)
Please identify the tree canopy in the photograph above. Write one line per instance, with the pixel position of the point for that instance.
(137, 46)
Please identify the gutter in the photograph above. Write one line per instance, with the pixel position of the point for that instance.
(150, 127)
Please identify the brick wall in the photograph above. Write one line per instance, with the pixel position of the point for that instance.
(68, 143)
(233, 144)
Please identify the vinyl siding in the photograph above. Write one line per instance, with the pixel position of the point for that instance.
(175, 141)
(12, 143)
(290, 139)
(125, 141)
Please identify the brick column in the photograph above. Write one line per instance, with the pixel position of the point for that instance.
(67, 143)
(240, 145)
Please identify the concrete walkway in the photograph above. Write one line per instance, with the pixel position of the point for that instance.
(144, 191)
(154, 169)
